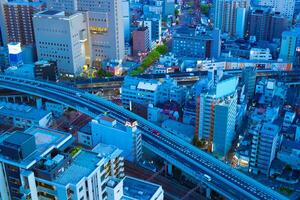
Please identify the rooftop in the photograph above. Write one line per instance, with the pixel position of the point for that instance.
(107, 151)
(82, 166)
(18, 138)
(45, 140)
(138, 189)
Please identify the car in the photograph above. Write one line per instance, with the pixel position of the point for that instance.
(208, 178)
(78, 94)
(156, 132)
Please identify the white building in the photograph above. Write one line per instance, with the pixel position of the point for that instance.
(105, 25)
(260, 54)
(264, 144)
(61, 38)
(225, 112)
(106, 29)
(150, 91)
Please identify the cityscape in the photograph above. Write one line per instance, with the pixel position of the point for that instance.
(149, 99)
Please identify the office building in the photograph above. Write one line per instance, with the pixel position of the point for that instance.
(140, 41)
(285, 7)
(265, 24)
(196, 43)
(23, 116)
(289, 45)
(105, 22)
(216, 108)
(53, 169)
(105, 25)
(104, 129)
(61, 38)
(17, 20)
(264, 143)
(230, 16)
(44, 70)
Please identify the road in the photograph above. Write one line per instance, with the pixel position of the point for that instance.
(225, 180)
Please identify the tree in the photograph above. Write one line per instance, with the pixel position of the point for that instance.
(205, 9)
(152, 56)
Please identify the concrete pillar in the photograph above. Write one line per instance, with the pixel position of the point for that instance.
(39, 103)
(207, 193)
(170, 169)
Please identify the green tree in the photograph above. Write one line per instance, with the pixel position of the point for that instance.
(205, 9)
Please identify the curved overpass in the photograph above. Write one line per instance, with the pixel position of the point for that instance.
(225, 180)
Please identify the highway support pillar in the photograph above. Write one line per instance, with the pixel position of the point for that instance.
(207, 193)
(170, 169)
(39, 103)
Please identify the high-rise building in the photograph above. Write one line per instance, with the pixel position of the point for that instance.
(3, 31)
(105, 22)
(224, 124)
(265, 24)
(216, 114)
(289, 44)
(17, 20)
(61, 38)
(126, 20)
(249, 79)
(230, 15)
(264, 144)
(285, 7)
(63, 5)
(240, 22)
(196, 43)
(140, 41)
(105, 25)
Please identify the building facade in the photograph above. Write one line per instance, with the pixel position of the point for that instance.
(264, 144)
(230, 16)
(17, 20)
(196, 43)
(61, 38)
